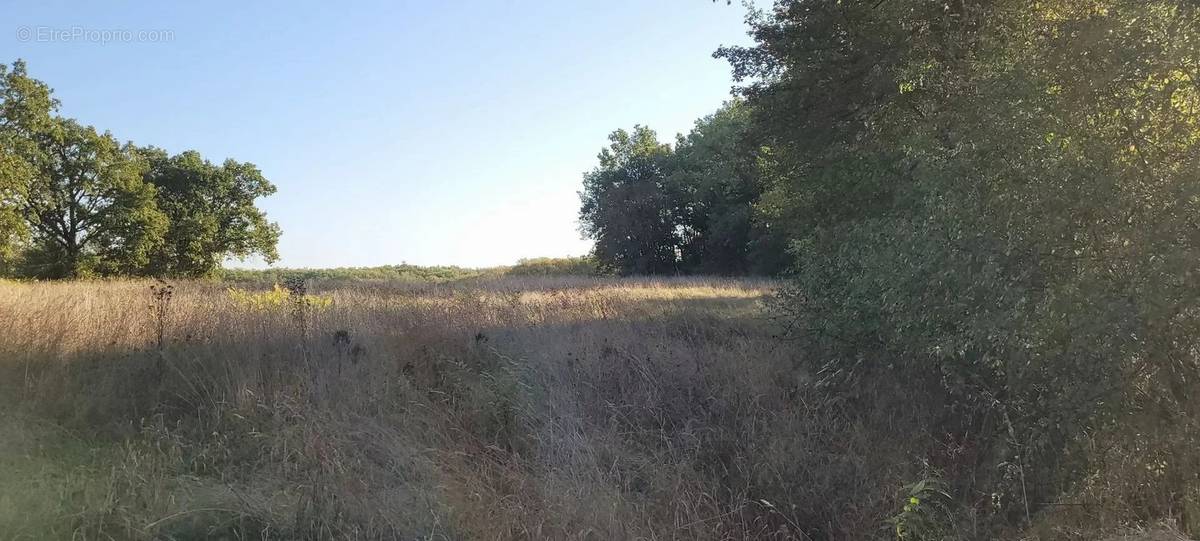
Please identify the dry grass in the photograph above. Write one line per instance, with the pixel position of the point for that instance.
(544, 408)
(549, 408)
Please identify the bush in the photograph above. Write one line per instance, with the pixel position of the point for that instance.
(555, 266)
(277, 297)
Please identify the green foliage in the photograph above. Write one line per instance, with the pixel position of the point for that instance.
(86, 205)
(77, 194)
(13, 148)
(278, 297)
(75, 202)
(927, 514)
(654, 209)
(625, 206)
(713, 180)
(398, 273)
(211, 211)
(540, 266)
(555, 266)
(993, 205)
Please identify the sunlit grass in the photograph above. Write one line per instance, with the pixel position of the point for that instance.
(393, 410)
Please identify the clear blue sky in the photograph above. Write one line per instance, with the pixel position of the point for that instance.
(429, 132)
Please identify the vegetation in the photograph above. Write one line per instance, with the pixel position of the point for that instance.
(210, 211)
(554, 266)
(656, 209)
(278, 297)
(988, 205)
(540, 266)
(984, 216)
(77, 203)
(549, 407)
(995, 207)
(398, 273)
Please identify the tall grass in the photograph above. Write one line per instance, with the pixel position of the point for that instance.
(548, 408)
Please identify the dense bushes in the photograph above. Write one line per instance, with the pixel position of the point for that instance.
(994, 204)
(991, 203)
(554, 266)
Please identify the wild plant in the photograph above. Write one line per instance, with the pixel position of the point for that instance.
(161, 294)
(160, 306)
(278, 297)
(927, 514)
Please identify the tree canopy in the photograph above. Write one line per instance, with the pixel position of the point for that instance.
(624, 204)
(653, 208)
(75, 202)
(994, 204)
(210, 210)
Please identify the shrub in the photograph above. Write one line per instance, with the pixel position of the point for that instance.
(277, 297)
(555, 266)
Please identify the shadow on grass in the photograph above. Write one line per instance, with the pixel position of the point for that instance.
(332, 430)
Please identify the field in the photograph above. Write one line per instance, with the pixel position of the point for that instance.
(503, 408)
(580, 408)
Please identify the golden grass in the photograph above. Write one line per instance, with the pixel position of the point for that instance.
(582, 408)
(514, 408)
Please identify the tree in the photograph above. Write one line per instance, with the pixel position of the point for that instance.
(994, 205)
(74, 202)
(691, 209)
(211, 211)
(12, 226)
(86, 204)
(78, 193)
(625, 206)
(25, 107)
(713, 183)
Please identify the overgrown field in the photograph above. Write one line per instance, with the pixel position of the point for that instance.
(549, 408)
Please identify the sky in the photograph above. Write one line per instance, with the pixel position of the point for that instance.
(428, 132)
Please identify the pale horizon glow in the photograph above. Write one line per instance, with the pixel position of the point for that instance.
(411, 132)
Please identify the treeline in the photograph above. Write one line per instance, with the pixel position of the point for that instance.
(540, 266)
(397, 273)
(654, 208)
(75, 202)
(990, 213)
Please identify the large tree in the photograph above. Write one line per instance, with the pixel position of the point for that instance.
(713, 182)
(993, 205)
(87, 206)
(25, 107)
(79, 193)
(211, 211)
(74, 202)
(689, 209)
(625, 206)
